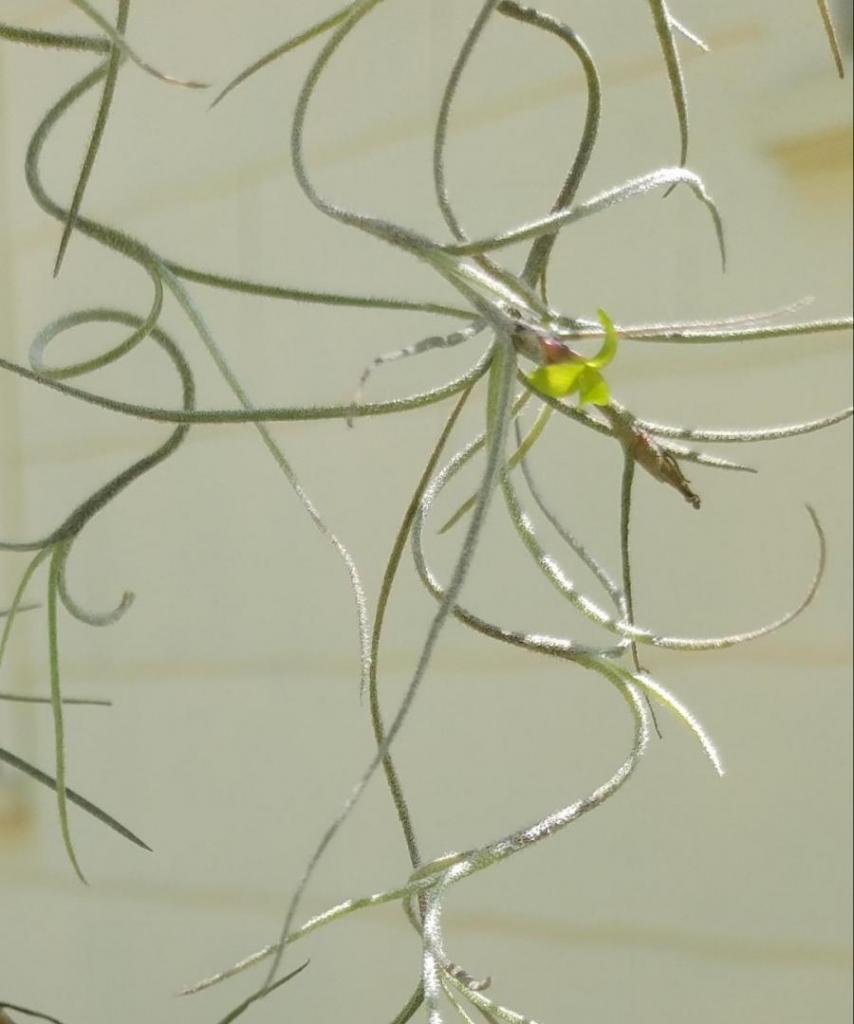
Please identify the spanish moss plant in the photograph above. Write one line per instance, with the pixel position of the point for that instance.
(534, 367)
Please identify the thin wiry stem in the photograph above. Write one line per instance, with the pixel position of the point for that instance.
(832, 39)
(727, 329)
(56, 703)
(686, 32)
(718, 643)
(327, 917)
(492, 269)
(454, 867)
(667, 699)
(557, 647)
(548, 826)
(284, 465)
(485, 856)
(119, 42)
(23, 608)
(501, 376)
(141, 254)
(274, 291)
(433, 952)
(742, 436)
(492, 1012)
(258, 414)
(551, 569)
(89, 702)
(603, 201)
(535, 268)
(75, 609)
(524, 446)
(392, 778)
(442, 870)
(130, 247)
(538, 257)
(17, 601)
(627, 630)
(440, 186)
(411, 1006)
(410, 241)
(625, 560)
(428, 344)
(54, 40)
(498, 299)
(111, 238)
(70, 795)
(99, 44)
(626, 492)
(683, 454)
(717, 323)
(457, 1005)
(700, 337)
(279, 51)
(110, 79)
(53, 330)
(242, 1007)
(380, 228)
(568, 537)
(29, 1012)
(77, 520)
(664, 28)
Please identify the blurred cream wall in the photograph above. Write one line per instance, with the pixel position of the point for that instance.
(236, 730)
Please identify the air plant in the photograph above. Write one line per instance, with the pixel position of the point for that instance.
(535, 356)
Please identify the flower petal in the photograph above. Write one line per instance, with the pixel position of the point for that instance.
(609, 349)
(593, 388)
(557, 379)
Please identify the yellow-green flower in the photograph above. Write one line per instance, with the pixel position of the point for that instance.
(559, 379)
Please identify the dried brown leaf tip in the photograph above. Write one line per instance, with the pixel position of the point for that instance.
(650, 454)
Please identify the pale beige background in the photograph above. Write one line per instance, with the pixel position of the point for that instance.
(237, 730)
